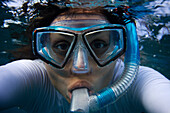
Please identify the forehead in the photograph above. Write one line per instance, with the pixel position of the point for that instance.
(79, 20)
(80, 16)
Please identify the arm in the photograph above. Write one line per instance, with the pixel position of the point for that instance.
(18, 82)
(153, 90)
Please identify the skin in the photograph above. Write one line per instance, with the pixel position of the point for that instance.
(68, 78)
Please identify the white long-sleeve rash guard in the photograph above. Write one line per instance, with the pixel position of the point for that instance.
(25, 84)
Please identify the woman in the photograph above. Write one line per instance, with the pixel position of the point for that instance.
(69, 62)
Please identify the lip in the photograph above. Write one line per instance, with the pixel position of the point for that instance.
(80, 84)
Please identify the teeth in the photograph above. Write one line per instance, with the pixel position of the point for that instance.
(79, 101)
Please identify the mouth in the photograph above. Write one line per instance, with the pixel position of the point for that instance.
(79, 85)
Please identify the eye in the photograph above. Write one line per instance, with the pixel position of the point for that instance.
(61, 46)
(98, 44)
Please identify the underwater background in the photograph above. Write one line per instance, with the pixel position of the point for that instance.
(152, 20)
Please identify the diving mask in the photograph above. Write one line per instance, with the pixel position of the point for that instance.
(54, 44)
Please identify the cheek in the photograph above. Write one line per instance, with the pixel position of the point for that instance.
(103, 76)
(58, 81)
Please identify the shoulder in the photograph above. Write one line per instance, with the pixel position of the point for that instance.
(148, 75)
(24, 64)
(24, 69)
(147, 70)
(149, 79)
(152, 88)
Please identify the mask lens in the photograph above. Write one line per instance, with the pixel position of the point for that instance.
(105, 44)
(54, 46)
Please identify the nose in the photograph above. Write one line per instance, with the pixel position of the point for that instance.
(80, 61)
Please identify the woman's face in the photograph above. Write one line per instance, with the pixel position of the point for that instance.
(69, 78)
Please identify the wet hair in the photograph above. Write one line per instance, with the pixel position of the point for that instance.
(46, 14)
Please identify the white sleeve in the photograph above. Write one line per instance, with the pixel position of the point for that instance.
(153, 90)
(16, 80)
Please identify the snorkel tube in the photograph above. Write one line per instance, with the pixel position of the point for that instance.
(112, 93)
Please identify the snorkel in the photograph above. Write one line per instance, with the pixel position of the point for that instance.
(112, 93)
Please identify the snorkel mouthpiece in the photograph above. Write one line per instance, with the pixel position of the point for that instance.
(80, 101)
